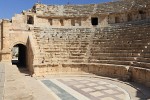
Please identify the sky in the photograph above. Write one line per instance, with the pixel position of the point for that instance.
(8, 8)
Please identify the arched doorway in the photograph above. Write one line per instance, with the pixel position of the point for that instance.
(19, 55)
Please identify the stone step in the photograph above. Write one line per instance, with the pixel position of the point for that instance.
(61, 46)
(77, 54)
(115, 54)
(108, 39)
(122, 36)
(78, 61)
(57, 61)
(113, 58)
(76, 57)
(141, 64)
(121, 43)
(71, 49)
(142, 59)
(65, 40)
(116, 62)
(93, 50)
(123, 31)
(55, 50)
(118, 48)
(145, 54)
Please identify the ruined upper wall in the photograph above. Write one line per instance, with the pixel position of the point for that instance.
(90, 15)
(90, 9)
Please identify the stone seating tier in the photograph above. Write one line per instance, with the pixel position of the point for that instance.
(123, 46)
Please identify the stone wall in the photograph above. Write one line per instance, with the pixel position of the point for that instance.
(107, 13)
(89, 9)
(107, 70)
(14, 32)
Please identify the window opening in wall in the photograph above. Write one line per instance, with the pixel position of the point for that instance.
(109, 20)
(73, 22)
(94, 21)
(117, 19)
(79, 22)
(34, 9)
(50, 21)
(30, 20)
(129, 17)
(61, 22)
(143, 14)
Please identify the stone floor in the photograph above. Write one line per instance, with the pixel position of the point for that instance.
(93, 87)
(2, 77)
(87, 89)
(70, 87)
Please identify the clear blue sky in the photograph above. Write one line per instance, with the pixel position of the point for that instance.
(10, 7)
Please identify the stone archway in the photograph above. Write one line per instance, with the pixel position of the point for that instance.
(19, 52)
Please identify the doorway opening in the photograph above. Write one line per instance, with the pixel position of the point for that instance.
(94, 21)
(19, 55)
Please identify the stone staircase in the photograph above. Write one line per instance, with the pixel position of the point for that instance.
(126, 45)
(112, 51)
(62, 45)
(120, 45)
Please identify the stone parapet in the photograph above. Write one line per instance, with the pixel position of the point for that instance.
(108, 70)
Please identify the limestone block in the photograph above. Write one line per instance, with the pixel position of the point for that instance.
(74, 68)
(91, 68)
(66, 69)
(147, 76)
(36, 70)
(85, 68)
(139, 75)
(53, 68)
(147, 84)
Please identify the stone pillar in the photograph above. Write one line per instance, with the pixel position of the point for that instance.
(5, 42)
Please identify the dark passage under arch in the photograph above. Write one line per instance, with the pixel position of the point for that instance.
(19, 55)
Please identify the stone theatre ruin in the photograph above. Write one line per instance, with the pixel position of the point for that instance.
(110, 39)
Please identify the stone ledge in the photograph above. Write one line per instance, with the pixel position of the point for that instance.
(121, 72)
(141, 75)
(110, 70)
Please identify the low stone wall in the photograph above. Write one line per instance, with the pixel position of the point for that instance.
(115, 71)
(141, 75)
(125, 73)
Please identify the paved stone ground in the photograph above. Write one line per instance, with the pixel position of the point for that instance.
(80, 87)
(94, 88)
(90, 88)
(2, 78)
